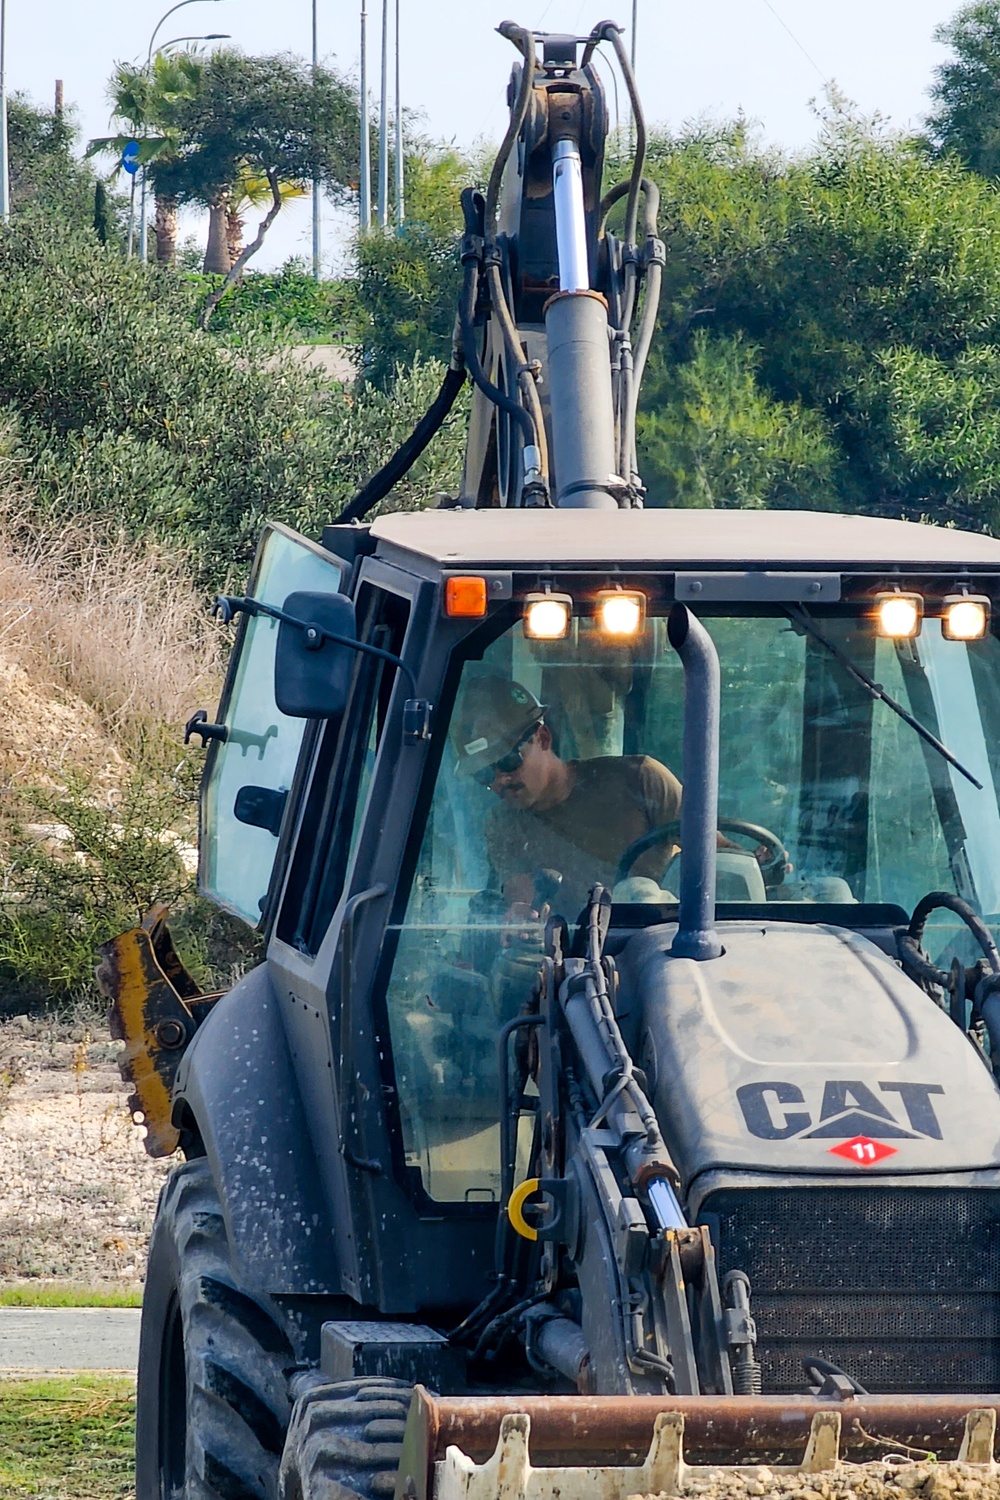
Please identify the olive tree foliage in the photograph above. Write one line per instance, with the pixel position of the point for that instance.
(45, 175)
(965, 120)
(408, 279)
(830, 328)
(121, 409)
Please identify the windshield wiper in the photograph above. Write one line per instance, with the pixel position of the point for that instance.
(800, 616)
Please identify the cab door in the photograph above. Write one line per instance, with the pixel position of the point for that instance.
(252, 758)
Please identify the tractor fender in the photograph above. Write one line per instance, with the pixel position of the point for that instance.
(236, 1086)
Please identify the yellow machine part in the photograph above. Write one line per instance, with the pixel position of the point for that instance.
(154, 1008)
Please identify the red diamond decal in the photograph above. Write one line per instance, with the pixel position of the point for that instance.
(862, 1151)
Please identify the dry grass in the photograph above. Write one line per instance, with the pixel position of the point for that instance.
(106, 648)
(100, 624)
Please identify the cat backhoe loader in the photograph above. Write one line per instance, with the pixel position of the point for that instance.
(614, 1111)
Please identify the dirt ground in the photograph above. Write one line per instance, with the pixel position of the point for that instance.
(879, 1481)
(77, 1190)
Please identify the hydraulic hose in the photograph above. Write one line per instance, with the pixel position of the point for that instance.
(651, 200)
(607, 31)
(935, 901)
(524, 41)
(525, 379)
(467, 326)
(634, 361)
(408, 452)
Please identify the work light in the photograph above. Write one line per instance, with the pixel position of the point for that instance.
(965, 617)
(898, 615)
(547, 616)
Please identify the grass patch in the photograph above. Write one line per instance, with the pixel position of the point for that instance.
(68, 1439)
(61, 1294)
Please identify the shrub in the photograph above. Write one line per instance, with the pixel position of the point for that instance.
(124, 411)
(290, 303)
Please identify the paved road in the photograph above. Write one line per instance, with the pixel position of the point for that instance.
(68, 1338)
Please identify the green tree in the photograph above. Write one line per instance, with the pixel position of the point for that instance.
(145, 102)
(408, 279)
(270, 118)
(712, 436)
(44, 173)
(867, 279)
(122, 410)
(966, 89)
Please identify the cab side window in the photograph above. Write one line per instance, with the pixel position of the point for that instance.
(338, 793)
(248, 774)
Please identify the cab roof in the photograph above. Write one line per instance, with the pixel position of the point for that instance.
(670, 539)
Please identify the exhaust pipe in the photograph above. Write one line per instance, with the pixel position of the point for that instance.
(696, 935)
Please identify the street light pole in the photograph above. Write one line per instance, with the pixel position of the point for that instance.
(399, 133)
(631, 116)
(4, 160)
(315, 64)
(149, 58)
(366, 144)
(383, 125)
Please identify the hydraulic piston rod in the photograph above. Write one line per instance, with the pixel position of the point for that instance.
(571, 224)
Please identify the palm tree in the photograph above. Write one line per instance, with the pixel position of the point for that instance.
(252, 190)
(146, 101)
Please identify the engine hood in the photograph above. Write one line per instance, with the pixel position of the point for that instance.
(803, 1049)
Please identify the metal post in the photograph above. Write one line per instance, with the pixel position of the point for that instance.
(142, 216)
(315, 64)
(631, 111)
(400, 212)
(366, 153)
(131, 219)
(4, 159)
(383, 125)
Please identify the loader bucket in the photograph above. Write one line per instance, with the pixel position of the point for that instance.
(629, 1448)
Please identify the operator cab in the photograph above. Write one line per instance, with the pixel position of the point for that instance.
(836, 805)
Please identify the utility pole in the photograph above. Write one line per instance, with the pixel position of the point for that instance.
(315, 64)
(399, 134)
(4, 160)
(383, 125)
(631, 116)
(366, 145)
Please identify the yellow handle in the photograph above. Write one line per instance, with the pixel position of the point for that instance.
(515, 1208)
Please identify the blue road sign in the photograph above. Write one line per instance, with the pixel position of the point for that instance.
(130, 158)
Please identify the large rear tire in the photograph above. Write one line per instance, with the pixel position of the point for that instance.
(212, 1405)
(345, 1440)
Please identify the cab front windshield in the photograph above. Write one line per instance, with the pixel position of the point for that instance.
(563, 769)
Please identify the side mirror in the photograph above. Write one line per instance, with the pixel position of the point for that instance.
(312, 673)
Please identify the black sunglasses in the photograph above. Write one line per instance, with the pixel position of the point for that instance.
(508, 763)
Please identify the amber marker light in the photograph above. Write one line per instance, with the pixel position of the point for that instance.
(898, 615)
(621, 614)
(547, 616)
(965, 617)
(465, 598)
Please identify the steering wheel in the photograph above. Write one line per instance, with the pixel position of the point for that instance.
(773, 868)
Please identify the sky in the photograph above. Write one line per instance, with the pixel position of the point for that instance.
(768, 58)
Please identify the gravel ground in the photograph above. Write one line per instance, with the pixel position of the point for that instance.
(916, 1481)
(77, 1191)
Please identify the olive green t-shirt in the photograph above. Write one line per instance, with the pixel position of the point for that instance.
(614, 799)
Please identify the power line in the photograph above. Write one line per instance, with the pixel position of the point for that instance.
(785, 27)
